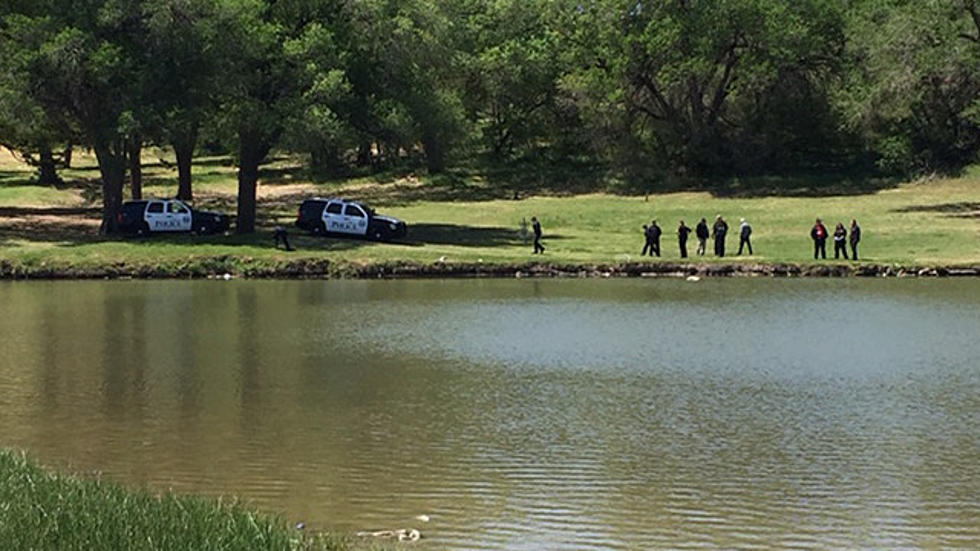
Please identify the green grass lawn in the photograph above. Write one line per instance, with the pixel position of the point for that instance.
(471, 216)
(44, 511)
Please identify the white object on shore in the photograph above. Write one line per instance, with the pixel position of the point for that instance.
(693, 278)
(442, 259)
(404, 534)
(423, 518)
(226, 277)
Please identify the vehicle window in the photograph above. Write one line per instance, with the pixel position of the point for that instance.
(155, 207)
(351, 210)
(334, 208)
(176, 208)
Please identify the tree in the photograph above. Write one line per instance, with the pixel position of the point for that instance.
(261, 91)
(186, 49)
(677, 74)
(81, 66)
(512, 61)
(914, 85)
(26, 129)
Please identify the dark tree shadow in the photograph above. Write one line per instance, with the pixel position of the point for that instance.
(956, 210)
(468, 236)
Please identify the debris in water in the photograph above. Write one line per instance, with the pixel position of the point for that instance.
(404, 534)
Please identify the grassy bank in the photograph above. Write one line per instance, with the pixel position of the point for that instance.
(44, 511)
(471, 217)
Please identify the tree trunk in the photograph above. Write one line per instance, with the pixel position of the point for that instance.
(251, 152)
(112, 167)
(326, 160)
(435, 159)
(134, 150)
(184, 148)
(47, 172)
(364, 154)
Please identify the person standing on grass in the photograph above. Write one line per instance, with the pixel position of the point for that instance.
(701, 231)
(743, 238)
(819, 235)
(536, 227)
(655, 233)
(682, 232)
(647, 242)
(719, 231)
(840, 241)
(281, 235)
(855, 238)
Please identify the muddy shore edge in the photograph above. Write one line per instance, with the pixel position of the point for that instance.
(310, 268)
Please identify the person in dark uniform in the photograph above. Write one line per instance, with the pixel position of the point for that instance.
(536, 227)
(819, 235)
(855, 239)
(655, 233)
(682, 232)
(743, 237)
(280, 235)
(840, 241)
(701, 231)
(648, 243)
(718, 231)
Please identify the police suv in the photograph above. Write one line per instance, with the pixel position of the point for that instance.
(331, 215)
(169, 215)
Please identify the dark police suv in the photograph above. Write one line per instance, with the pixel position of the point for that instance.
(169, 215)
(331, 215)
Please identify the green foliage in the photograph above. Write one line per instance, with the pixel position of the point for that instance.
(42, 511)
(914, 85)
(655, 90)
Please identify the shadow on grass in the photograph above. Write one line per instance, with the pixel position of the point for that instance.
(955, 210)
(757, 186)
(466, 236)
(810, 185)
(79, 226)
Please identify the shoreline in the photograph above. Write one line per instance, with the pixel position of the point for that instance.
(227, 266)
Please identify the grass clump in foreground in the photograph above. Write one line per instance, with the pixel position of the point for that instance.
(44, 511)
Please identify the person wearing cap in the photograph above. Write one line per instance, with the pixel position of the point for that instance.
(718, 231)
(682, 232)
(702, 233)
(743, 237)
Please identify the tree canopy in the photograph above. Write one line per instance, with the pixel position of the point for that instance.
(648, 90)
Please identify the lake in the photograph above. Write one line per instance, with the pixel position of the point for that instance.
(521, 414)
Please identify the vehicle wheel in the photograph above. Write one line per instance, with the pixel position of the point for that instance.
(377, 235)
(202, 229)
(319, 229)
(143, 230)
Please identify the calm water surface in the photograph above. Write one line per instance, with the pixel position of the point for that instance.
(632, 414)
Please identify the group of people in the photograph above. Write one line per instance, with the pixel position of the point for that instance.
(819, 235)
(719, 230)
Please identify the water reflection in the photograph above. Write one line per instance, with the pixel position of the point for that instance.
(522, 414)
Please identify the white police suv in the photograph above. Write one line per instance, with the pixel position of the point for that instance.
(331, 215)
(169, 215)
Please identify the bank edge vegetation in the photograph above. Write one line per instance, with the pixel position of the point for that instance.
(647, 92)
(44, 511)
